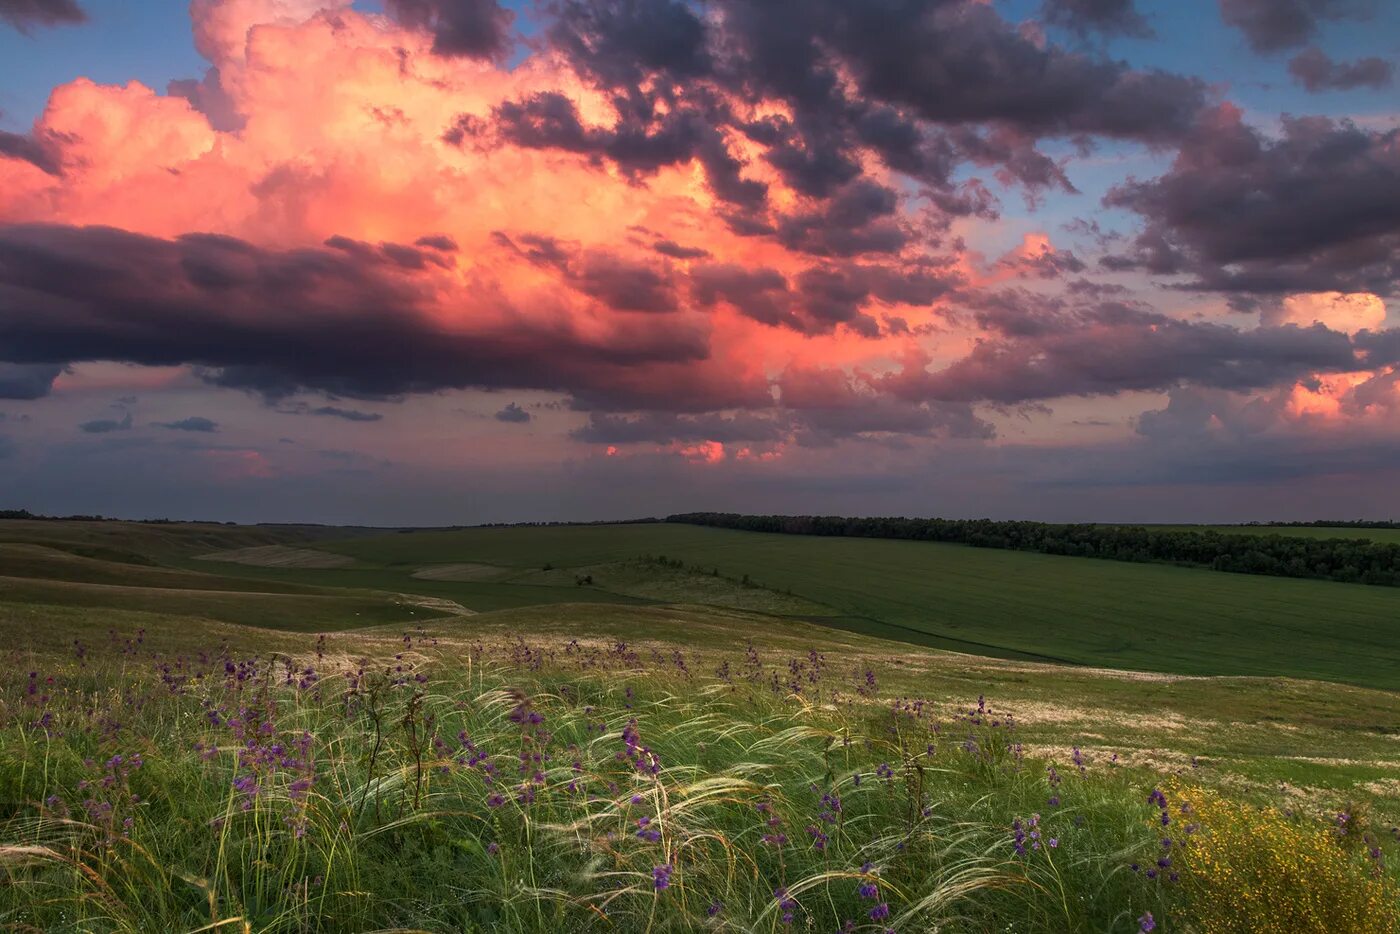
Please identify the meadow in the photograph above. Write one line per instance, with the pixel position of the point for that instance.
(454, 731)
(1008, 604)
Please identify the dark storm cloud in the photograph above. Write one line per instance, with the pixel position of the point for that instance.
(856, 220)
(513, 414)
(626, 284)
(409, 257)
(470, 28)
(839, 292)
(952, 62)
(349, 321)
(196, 423)
(27, 381)
(935, 83)
(23, 14)
(1110, 17)
(620, 282)
(1113, 348)
(1316, 71)
(620, 41)
(641, 142)
(828, 406)
(1271, 25)
(820, 297)
(1317, 209)
(760, 293)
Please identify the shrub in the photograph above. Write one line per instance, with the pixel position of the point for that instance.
(1254, 869)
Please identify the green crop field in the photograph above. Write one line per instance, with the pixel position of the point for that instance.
(1010, 604)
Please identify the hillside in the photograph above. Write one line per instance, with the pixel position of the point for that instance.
(262, 747)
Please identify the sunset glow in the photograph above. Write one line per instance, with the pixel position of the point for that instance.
(817, 251)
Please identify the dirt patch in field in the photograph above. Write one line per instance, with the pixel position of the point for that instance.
(280, 556)
(437, 604)
(461, 572)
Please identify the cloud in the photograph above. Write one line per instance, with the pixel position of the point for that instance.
(1037, 257)
(682, 87)
(193, 423)
(25, 14)
(329, 411)
(1313, 210)
(102, 426)
(1339, 311)
(513, 414)
(1271, 25)
(38, 152)
(1316, 71)
(676, 251)
(209, 97)
(1110, 348)
(666, 428)
(279, 321)
(639, 143)
(471, 28)
(27, 381)
(1110, 17)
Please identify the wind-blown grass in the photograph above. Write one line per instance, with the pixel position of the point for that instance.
(517, 788)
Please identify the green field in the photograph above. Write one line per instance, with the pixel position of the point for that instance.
(1014, 605)
(763, 671)
(1009, 604)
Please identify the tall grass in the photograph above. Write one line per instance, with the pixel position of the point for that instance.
(512, 788)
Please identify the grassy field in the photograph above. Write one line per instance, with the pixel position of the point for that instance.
(1009, 604)
(670, 749)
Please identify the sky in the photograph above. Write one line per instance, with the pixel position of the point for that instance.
(430, 262)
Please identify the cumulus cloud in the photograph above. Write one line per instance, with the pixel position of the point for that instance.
(1111, 348)
(1347, 313)
(739, 224)
(1110, 17)
(1316, 71)
(1271, 25)
(278, 321)
(474, 28)
(1316, 209)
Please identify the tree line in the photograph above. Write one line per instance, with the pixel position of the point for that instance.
(1351, 560)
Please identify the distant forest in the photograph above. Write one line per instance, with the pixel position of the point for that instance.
(1350, 560)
